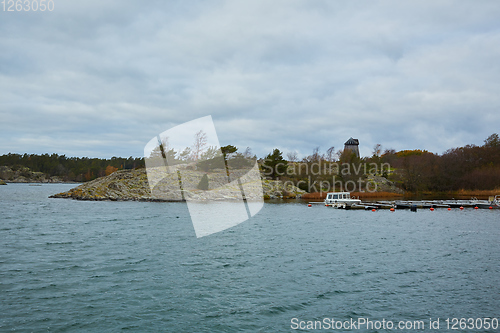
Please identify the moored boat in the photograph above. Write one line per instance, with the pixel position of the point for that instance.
(340, 199)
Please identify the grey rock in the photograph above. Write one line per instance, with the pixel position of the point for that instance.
(133, 185)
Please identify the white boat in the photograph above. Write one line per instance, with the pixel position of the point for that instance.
(340, 199)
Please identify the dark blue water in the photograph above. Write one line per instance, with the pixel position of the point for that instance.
(75, 266)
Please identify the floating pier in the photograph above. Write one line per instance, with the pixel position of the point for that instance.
(421, 204)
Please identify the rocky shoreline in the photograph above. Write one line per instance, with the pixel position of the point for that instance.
(25, 175)
(132, 185)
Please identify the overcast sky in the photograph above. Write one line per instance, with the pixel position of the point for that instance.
(101, 78)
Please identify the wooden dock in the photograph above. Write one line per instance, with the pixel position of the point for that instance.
(421, 204)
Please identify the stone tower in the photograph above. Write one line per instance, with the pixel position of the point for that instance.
(352, 144)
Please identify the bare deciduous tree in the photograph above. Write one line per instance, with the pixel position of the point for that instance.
(316, 155)
(292, 156)
(248, 153)
(377, 149)
(330, 154)
(200, 141)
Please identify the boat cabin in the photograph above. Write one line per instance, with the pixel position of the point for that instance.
(338, 195)
(344, 198)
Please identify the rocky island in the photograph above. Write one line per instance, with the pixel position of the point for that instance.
(23, 174)
(126, 185)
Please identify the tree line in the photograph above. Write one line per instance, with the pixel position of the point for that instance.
(78, 169)
(470, 168)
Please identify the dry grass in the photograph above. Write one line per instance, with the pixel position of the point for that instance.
(480, 194)
(363, 195)
(314, 196)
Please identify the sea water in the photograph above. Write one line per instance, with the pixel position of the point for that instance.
(89, 266)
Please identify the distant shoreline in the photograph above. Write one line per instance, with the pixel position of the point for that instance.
(39, 182)
(313, 197)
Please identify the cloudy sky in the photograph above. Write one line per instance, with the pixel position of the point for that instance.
(101, 78)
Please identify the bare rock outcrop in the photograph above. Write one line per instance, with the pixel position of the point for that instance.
(133, 185)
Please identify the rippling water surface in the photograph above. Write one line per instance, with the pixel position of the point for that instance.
(109, 266)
